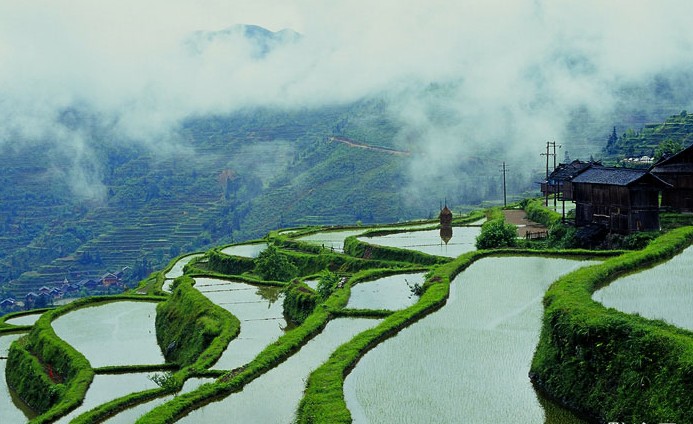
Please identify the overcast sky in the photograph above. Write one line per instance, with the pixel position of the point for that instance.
(515, 68)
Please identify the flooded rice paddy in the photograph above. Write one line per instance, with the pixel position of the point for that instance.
(107, 387)
(331, 239)
(24, 320)
(469, 361)
(392, 292)
(335, 239)
(251, 250)
(260, 310)
(131, 415)
(663, 292)
(115, 333)
(177, 271)
(274, 396)
(429, 241)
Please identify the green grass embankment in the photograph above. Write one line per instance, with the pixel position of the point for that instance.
(361, 249)
(323, 401)
(190, 329)
(270, 357)
(9, 328)
(46, 372)
(299, 302)
(228, 264)
(537, 212)
(201, 331)
(609, 365)
(324, 398)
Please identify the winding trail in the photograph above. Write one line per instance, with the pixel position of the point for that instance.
(352, 143)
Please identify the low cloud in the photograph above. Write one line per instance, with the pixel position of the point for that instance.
(463, 78)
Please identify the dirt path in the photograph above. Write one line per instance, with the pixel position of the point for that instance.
(519, 217)
(352, 143)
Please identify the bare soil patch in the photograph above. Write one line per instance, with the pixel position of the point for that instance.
(519, 217)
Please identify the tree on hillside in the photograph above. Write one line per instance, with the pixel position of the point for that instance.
(667, 148)
(272, 265)
(611, 142)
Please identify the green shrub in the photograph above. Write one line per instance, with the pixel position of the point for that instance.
(561, 236)
(639, 240)
(537, 212)
(273, 265)
(299, 302)
(327, 284)
(496, 234)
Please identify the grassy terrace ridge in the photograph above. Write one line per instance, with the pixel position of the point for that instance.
(358, 248)
(216, 325)
(334, 306)
(42, 349)
(609, 365)
(323, 401)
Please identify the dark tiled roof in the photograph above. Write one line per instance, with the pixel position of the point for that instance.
(676, 158)
(566, 171)
(614, 176)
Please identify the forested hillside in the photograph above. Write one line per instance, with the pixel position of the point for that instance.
(236, 178)
(644, 141)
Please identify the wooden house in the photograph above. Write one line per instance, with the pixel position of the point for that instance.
(109, 279)
(677, 170)
(622, 200)
(8, 304)
(559, 181)
(88, 284)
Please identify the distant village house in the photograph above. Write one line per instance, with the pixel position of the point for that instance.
(677, 170)
(621, 200)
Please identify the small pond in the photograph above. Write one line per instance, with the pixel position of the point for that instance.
(429, 241)
(663, 292)
(115, 333)
(131, 415)
(469, 361)
(274, 396)
(107, 387)
(260, 310)
(335, 239)
(251, 250)
(392, 292)
(12, 410)
(331, 239)
(24, 319)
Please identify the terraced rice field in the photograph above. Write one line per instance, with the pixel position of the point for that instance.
(663, 292)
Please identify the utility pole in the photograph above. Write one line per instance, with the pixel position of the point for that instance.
(547, 154)
(505, 199)
(550, 144)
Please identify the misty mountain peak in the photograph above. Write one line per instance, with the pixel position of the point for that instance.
(261, 40)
